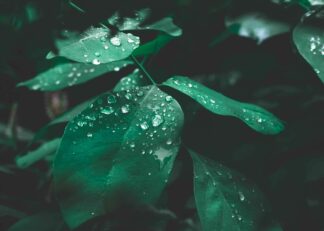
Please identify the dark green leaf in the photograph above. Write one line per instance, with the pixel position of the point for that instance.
(225, 200)
(254, 116)
(46, 149)
(135, 79)
(97, 45)
(256, 26)
(121, 148)
(309, 40)
(69, 74)
(154, 46)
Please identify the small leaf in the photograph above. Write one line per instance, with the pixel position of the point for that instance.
(225, 200)
(154, 46)
(309, 40)
(46, 149)
(256, 26)
(135, 79)
(69, 74)
(257, 118)
(45, 221)
(97, 45)
(165, 25)
(119, 150)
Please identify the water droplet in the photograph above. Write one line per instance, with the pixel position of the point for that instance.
(116, 68)
(168, 98)
(157, 120)
(111, 99)
(107, 111)
(241, 196)
(115, 41)
(97, 54)
(89, 134)
(106, 47)
(169, 142)
(132, 145)
(144, 125)
(57, 82)
(149, 174)
(128, 96)
(125, 109)
(96, 62)
(130, 40)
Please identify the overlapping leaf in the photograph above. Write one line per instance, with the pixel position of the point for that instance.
(256, 117)
(118, 151)
(96, 46)
(225, 200)
(68, 74)
(309, 40)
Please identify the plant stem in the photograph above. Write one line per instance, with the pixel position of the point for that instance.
(76, 7)
(140, 66)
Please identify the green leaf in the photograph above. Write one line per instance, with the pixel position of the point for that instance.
(256, 26)
(225, 200)
(254, 116)
(119, 150)
(69, 74)
(44, 221)
(46, 149)
(135, 79)
(308, 36)
(154, 46)
(165, 25)
(97, 45)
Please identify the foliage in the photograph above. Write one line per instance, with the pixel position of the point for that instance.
(127, 115)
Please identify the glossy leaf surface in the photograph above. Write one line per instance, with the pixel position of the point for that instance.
(119, 150)
(309, 40)
(135, 79)
(97, 45)
(225, 200)
(254, 116)
(69, 74)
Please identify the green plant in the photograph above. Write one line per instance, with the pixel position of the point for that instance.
(119, 149)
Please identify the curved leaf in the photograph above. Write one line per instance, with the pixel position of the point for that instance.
(309, 40)
(97, 45)
(69, 74)
(225, 200)
(256, 26)
(254, 116)
(119, 150)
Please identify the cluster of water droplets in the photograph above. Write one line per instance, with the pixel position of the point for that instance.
(145, 123)
(131, 81)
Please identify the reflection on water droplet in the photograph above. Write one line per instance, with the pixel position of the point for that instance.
(169, 142)
(115, 41)
(116, 68)
(132, 145)
(241, 196)
(125, 109)
(111, 99)
(144, 125)
(96, 62)
(168, 98)
(89, 135)
(157, 120)
(107, 111)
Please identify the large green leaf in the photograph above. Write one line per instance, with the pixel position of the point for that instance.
(120, 149)
(256, 26)
(69, 74)
(256, 117)
(138, 23)
(96, 46)
(308, 36)
(225, 200)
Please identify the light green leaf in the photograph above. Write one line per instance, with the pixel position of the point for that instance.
(119, 150)
(46, 149)
(308, 36)
(225, 200)
(69, 74)
(154, 46)
(97, 45)
(256, 26)
(44, 221)
(135, 79)
(254, 116)
(165, 25)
